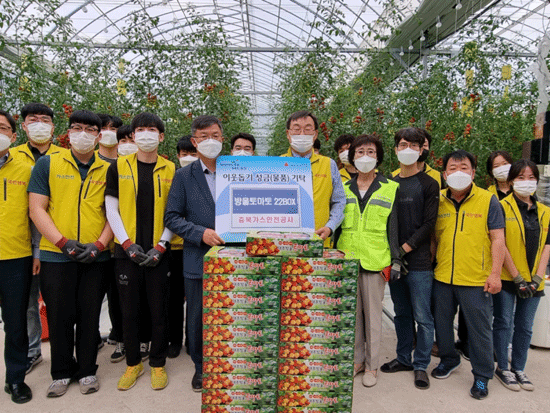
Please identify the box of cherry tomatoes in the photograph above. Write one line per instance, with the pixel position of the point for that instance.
(256, 333)
(227, 260)
(339, 401)
(290, 244)
(317, 318)
(240, 316)
(240, 365)
(331, 262)
(240, 409)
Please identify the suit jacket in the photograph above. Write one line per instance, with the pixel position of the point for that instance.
(190, 210)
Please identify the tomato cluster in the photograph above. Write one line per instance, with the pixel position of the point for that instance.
(217, 333)
(214, 409)
(217, 381)
(218, 266)
(218, 283)
(296, 300)
(295, 318)
(217, 349)
(217, 366)
(296, 283)
(294, 383)
(293, 351)
(293, 367)
(261, 246)
(292, 400)
(217, 300)
(296, 266)
(294, 334)
(216, 397)
(215, 317)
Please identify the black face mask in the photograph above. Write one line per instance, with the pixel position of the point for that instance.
(423, 156)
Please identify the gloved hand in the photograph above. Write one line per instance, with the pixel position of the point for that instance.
(154, 255)
(134, 251)
(70, 247)
(90, 253)
(534, 284)
(395, 272)
(522, 288)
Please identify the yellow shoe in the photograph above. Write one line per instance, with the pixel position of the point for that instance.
(129, 378)
(159, 378)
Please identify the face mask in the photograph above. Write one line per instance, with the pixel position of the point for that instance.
(210, 148)
(365, 164)
(301, 143)
(242, 152)
(525, 188)
(147, 141)
(127, 148)
(5, 142)
(459, 180)
(344, 157)
(108, 138)
(39, 132)
(82, 142)
(407, 156)
(423, 156)
(501, 173)
(186, 160)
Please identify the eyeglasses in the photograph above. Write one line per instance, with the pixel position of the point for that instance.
(38, 118)
(5, 130)
(368, 152)
(80, 128)
(307, 130)
(405, 145)
(216, 136)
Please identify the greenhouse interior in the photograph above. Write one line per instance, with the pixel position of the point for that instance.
(473, 73)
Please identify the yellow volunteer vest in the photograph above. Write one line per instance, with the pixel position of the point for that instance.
(366, 234)
(128, 189)
(15, 232)
(493, 189)
(515, 238)
(322, 189)
(428, 169)
(76, 206)
(23, 153)
(344, 174)
(463, 242)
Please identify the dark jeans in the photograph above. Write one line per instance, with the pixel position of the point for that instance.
(462, 330)
(144, 287)
(177, 299)
(411, 296)
(193, 291)
(15, 282)
(478, 314)
(73, 293)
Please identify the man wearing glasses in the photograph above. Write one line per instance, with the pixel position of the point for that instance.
(329, 199)
(67, 205)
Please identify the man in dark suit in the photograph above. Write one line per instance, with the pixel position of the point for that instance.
(190, 213)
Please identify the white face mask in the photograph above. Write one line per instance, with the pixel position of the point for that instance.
(501, 173)
(407, 156)
(365, 164)
(5, 142)
(39, 132)
(301, 143)
(210, 148)
(242, 152)
(108, 138)
(459, 180)
(525, 188)
(344, 157)
(127, 148)
(186, 160)
(146, 140)
(82, 142)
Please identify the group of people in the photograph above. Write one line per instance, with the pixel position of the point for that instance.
(121, 220)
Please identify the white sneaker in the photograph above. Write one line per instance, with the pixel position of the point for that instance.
(370, 378)
(89, 384)
(58, 387)
(144, 351)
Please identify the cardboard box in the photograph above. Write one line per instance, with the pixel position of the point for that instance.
(245, 365)
(242, 282)
(244, 299)
(224, 260)
(318, 301)
(238, 409)
(332, 262)
(238, 349)
(292, 334)
(241, 333)
(240, 381)
(316, 351)
(316, 383)
(331, 284)
(311, 399)
(317, 318)
(330, 367)
(293, 244)
(242, 316)
(312, 410)
(240, 397)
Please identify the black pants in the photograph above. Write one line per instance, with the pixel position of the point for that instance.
(193, 288)
(15, 284)
(138, 286)
(73, 293)
(115, 313)
(177, 300)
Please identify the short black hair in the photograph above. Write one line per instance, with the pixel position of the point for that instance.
(411, 135)
(87, 117)
(147, 120)
(35, 109)
(108, 120)
(10, 119)
(317, 144)
(184, 144)
(246, 136)
(300, 115)
(458, 156)
(124, 132)
(346, 138)
(427, 136)
(204, 121)
(492, 158)
(363, 140)
(519, 166)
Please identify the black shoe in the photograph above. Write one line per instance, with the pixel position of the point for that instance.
(196, 383)
(443, 371)
(421, 380)
(479, 390)
(394, 366)
(173, 351)
(33, 361)
(20, 393)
